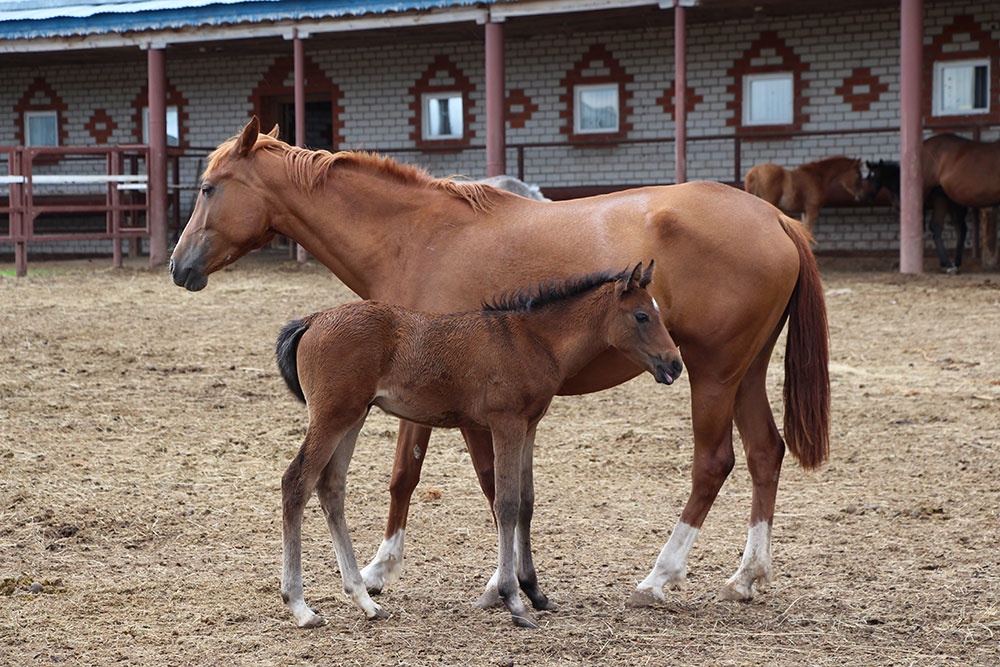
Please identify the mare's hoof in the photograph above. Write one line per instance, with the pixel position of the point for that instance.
(545, 605)
(524, 622)
(489, 599)
(731, 593)
(379, 615)
(951, 269)
(643, 597)
(316, 621)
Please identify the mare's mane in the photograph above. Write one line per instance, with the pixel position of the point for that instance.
(526, 299)
(309, 169)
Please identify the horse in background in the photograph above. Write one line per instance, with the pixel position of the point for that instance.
(884, 174)
(803, 191)
(515, 186)
(497, 368)
(968, 171)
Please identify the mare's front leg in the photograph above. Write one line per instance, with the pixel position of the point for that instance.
(331, 491)
(297, 485)
(411, 446)
(958, 213)
(712, 413)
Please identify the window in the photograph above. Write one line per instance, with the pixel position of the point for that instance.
(41, 128)
(961, 87)
(173, 126)
(768, 99)
(595, 109)
(442, 116)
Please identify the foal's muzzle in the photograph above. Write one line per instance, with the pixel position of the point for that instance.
(666, 372)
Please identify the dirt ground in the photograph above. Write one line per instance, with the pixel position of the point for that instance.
(144, 431)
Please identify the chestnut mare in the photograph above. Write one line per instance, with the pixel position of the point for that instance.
(803, 190)
(730, 270)
(496, 369)
(884, 174)
(968, 171)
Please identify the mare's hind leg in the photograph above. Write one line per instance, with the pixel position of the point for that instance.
(331, 491)
(764, 450)
(958, 213)
(297, 486)
(411, 446)
(712, 412)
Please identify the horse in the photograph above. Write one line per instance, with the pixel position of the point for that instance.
(515, 185)
(497, 368)
(803, 190)
(884, 174)
(968, 171)
(731, 271)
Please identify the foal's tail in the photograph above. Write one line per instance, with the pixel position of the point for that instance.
(807, 355)
(288, 345)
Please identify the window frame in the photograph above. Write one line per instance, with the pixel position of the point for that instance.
(749, 80)
(937, 101)
(40, 113)
(581, 88)
(425, 113)
(171, 109)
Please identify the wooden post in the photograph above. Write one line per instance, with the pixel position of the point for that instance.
(680, 93)
(157, 166)
(911, 183)
(299, 60)
(496, 94)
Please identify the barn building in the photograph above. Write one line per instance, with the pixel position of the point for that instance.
(110, 108)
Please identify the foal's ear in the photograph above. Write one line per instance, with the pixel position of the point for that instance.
(274, 132)
(247, 138)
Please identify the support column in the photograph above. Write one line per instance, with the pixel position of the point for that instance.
(911, 183)
(496, 102)
(156, 189)
(680, 93)
(299, 60)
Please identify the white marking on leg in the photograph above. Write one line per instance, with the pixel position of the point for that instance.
(754, 566)
(671, 565)
(387, 565)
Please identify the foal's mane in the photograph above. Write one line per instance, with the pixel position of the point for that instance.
(309, 169)
(526, 299)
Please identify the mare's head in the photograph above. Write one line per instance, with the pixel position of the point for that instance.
(230, 217)
(636, 327)
(851, 178)
(881, 174)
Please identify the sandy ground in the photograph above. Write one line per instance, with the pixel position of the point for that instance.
(144, 431)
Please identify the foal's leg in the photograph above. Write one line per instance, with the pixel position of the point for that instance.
(712, 414)
(297, 486)
(411, 446)
(331, 491)
(527, 576)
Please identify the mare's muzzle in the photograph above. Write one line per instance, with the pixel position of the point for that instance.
(190, 276)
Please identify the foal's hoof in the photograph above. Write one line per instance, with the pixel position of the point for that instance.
(735, 593)
(314, 621)
(378, 614)
(643, 597)
(489, 599)
(524, 622)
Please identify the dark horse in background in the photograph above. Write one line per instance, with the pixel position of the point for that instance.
(884, 174)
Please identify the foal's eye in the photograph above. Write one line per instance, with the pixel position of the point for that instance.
(207, 190)
(641, 317)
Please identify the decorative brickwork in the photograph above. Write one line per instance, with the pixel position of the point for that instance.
(597, 66)
(861, 89)
(173, 99)
(666, 101)
(759, 59)
(440, 77)
(279, 81)
(964, 39)
(520, 108)
(40, 96)
(101, 126)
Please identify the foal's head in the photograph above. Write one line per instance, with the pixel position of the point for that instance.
(851, 179)
(230, 217)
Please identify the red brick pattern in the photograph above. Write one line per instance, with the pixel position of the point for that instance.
(101, 126)
(666, 101)
(970, 32)
(520, 108)
(767, 46)
(861, 89)
(597, 58)
(174, 99)
(40, 96)
(279, 80)
(454, 80)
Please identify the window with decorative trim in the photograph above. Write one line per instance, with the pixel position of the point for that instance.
(173, 126)
(769, 98)
(961, 87)
(442, 116)
(41, 128)
(596, 108)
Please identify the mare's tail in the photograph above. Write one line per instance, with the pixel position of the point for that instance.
(807, 356)
(288, 345)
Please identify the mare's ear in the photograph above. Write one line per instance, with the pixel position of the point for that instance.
(647, 275)
(274, 132)
(247, 138)
(869, 164)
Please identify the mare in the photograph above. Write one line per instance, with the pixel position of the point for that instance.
(884, 174)
(968, 171)
(497, 369)
(731, 270)
(803, 190)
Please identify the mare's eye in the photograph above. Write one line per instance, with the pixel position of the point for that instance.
(207, 190)
(641, 317)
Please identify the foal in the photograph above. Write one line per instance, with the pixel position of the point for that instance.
(495, 369)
